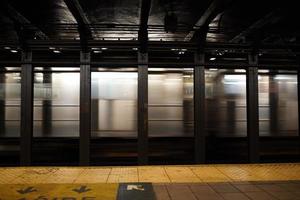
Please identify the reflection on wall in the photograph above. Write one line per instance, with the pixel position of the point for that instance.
(170, 102)
(278, 103)
(10, 103)
(225, 95)
(114, 104)
(56, 104)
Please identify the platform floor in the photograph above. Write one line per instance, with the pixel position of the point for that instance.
(243, 181)
(153, 174)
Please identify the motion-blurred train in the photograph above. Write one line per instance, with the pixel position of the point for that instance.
(170, 105)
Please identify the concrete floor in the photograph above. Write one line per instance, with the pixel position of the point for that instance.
(245, 181)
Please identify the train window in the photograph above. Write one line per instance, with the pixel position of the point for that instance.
(10, 103)
(56, 104)
(171, 102)
(114, 103)
(278, 103)
(226, 102)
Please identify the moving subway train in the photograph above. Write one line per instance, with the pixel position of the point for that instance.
(170, 105)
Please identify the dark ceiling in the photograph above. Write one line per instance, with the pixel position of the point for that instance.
(228, 20)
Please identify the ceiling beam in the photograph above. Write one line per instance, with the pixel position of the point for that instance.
(24, 28)
(201, 26)
(143, 28)
(83, 22)
(153, 45)
(270, 18)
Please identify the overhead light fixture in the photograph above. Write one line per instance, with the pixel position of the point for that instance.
(51, 48)
(235, 78)
(240, 70)
(56, 51)
(14, 51)
(97, 51)
(95, 48)
(213, 58)
(263, 71)
(283, 77)
(7, 48)
(179, 51)
(134, 49)
(104, 48)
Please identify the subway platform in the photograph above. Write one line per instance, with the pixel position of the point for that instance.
(195, 182)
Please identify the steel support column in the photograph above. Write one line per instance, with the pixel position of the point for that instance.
(2, 104)
(199, 106)
(47, 104)
(252, 109)
(85, 109)
(143, 108)
(298, 89)
(26, 109)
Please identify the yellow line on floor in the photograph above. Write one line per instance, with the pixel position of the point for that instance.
(154, 174)
(58, 191)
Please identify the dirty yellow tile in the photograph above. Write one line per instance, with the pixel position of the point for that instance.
(65, 175)
(288, 171)
(10, 175)
(35, 175)
(153, 174)
(93, 175)
(210, 174)
(123, 174)
(263, 172)
(236, 173)
(181, 174)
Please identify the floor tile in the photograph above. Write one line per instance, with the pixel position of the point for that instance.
(223, 187)
(234, 196)
(259, 196)
(180, 192)
(247, 188)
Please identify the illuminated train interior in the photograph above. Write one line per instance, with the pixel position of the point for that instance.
(170, 115)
